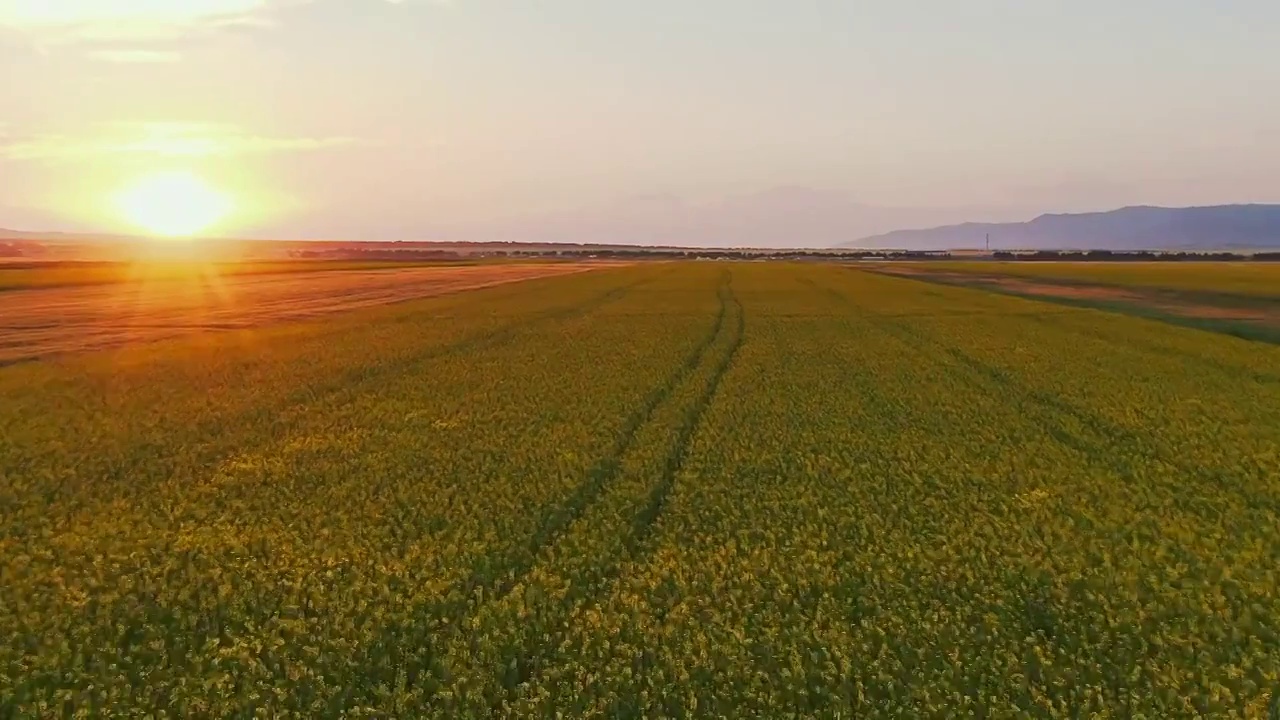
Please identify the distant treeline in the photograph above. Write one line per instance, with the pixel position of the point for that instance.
(577, 252)
(1140, 256)
(712, 254)
(375, 254)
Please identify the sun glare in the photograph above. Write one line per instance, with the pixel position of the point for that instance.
(173, 204)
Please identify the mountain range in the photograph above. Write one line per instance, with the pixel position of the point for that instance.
(1220, 227)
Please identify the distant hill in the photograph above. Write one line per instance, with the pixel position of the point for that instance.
(1235, 227)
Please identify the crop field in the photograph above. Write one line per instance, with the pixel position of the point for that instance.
(31, 274)
(1236, 298)
(1258, 279)
(664, 490)
(159, 302)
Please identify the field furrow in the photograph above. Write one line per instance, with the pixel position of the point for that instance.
(531, 624)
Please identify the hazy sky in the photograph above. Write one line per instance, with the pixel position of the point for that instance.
(790, 121)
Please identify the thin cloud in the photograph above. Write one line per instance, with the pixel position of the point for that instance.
(188, 140)
(68, 21)
(79, 20)
(135, 56)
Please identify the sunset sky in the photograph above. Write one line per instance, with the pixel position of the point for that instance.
(781, 122)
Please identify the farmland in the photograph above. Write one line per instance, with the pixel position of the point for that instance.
(678, 489)
(105, 306)
(1257, 279)
(1237, 298)
(20, 275)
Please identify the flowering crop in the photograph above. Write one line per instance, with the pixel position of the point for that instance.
(682, 489)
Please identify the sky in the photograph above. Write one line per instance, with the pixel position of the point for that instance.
(716, 122)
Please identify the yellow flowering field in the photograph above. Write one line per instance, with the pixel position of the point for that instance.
(700, 489)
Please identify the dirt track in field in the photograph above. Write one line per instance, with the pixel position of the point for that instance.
(53, 321)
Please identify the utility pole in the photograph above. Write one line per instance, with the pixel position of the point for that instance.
(988, 242)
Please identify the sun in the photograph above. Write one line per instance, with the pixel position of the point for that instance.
(173, 204)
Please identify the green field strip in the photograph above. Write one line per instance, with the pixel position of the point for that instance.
(1257, 280)
(1242, 329)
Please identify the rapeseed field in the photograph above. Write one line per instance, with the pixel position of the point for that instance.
(666, 490)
